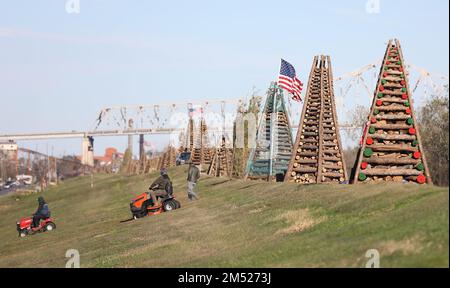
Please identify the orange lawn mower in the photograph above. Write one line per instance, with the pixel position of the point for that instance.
(143, 205)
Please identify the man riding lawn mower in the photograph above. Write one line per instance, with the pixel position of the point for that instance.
(39, 222)
(147, 203)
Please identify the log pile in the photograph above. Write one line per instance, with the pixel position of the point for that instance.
(168, 159)
(318, 156)
(151, 165)
(391, 149)
(273, 150)
(201, 152)
(221, 164)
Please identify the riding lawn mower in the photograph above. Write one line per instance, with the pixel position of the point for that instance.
(24, 226)
(143, 205)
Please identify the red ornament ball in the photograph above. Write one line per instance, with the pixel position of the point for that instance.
(421, 179)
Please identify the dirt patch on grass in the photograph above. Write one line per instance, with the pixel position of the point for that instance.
(408, 246)
(299, 220)
(257, 210)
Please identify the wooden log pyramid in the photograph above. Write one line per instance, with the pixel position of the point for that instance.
(391, 148)
(168, 159)
(273, 140)
(190, 144)
(222, 161)
(151, 165)
(201, 152)
(318, 155)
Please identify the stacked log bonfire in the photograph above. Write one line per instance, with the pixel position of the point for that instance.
(221, 164)
(201, 152)
(391, 149)
(273, 148)
(318, 153)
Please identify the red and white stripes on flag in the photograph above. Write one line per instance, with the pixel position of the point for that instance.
(288, 80)
(293, 86)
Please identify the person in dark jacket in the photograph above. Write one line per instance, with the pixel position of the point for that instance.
(42, 212)
(192, 178)
(161, 187)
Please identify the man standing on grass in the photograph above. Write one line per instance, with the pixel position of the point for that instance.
(192, 178)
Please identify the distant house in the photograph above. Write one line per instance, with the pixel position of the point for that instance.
(110, 157)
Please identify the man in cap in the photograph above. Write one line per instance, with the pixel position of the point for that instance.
(42, 212)
(192, 178)
(161, 187)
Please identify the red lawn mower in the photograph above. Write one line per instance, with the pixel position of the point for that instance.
(24, 226)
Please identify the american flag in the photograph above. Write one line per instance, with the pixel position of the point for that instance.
(195, 110)
(289, 81)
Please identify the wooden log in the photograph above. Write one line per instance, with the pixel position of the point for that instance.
(312, 128)
(329, 137)
(391, 160)
(333, 159)
(392, 85)
(305, 169)
(391, 126)
(332, 174)
(311, 147)
(394, 72)
(308, 141)
(329, 151)
(391, 172)
(388, 137)
(307, 161)
(329, 131)
(393, 93)
(307, 154)
(333, 167)
(309, 133)
(392, 100)
(393, 148)
(392, 108)
(393, 117)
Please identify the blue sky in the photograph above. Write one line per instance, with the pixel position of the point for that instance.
(57, 70)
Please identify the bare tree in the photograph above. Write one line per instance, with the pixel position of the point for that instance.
(358, 119)
(433, 124)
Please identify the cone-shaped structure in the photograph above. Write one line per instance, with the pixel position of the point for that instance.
(168, 159)
(201, 154)
(317, 155)
(221, 163)
(273, 149)
(190, 139)
(152, 165)
(391, 149)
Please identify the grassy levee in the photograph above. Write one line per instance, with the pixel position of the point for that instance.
(235, 224)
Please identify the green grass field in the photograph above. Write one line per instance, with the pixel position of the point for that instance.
(235, 224)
